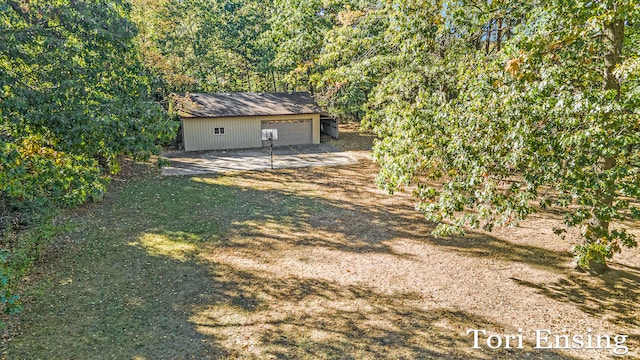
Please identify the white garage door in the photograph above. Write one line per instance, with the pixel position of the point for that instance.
(290, 132)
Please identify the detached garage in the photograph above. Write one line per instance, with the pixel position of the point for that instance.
(236, 120)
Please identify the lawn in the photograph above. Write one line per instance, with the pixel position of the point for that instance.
(313, 263)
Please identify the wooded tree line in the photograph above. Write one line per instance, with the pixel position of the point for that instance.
(74, 96)
(513, 106)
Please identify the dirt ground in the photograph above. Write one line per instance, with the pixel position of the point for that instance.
(351, 138)
(369, 278)
(317, 263)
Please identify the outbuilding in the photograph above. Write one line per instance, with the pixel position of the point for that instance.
(237, 120)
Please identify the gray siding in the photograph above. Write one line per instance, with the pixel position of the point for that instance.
(291, 132)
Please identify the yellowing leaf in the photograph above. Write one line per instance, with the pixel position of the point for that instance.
(513, 66)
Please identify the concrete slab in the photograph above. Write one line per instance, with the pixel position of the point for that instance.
(218, 161)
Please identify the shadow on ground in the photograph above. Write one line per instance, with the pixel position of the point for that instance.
(137, 280)
(347, 221)
(613, 296)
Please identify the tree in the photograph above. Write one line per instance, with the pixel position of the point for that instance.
(354, 58)
(74, 97)
(206, 46)
(297, 29)
(546, 118)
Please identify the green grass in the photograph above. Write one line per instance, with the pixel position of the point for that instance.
(290, 264)
(128, 274)
(110, 297)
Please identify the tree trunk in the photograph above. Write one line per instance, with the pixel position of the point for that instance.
(215, 76)
(275, 81)
(598, 226)
(499, 36)
(613, 37)
(488, 42)
(309, 80)
(273, 77)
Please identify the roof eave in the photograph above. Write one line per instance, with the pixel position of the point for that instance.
(198, 116)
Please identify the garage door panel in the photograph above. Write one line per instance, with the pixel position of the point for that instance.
(291, 132)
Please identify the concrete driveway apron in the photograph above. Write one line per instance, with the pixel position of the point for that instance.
(219, 161)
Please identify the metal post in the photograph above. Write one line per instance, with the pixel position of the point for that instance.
(271, 151)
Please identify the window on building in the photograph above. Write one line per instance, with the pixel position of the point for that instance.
(218, 131)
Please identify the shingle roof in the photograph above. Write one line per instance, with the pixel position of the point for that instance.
(203, 105)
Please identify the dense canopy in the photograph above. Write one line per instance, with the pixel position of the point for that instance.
(74, 97)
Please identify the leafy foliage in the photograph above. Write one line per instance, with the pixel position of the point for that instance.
(354, 59)
(74, 98)
(9, 301)
(213, 46)
(239, 45)
(538, 120)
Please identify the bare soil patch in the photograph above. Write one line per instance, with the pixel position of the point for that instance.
(311, 263)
